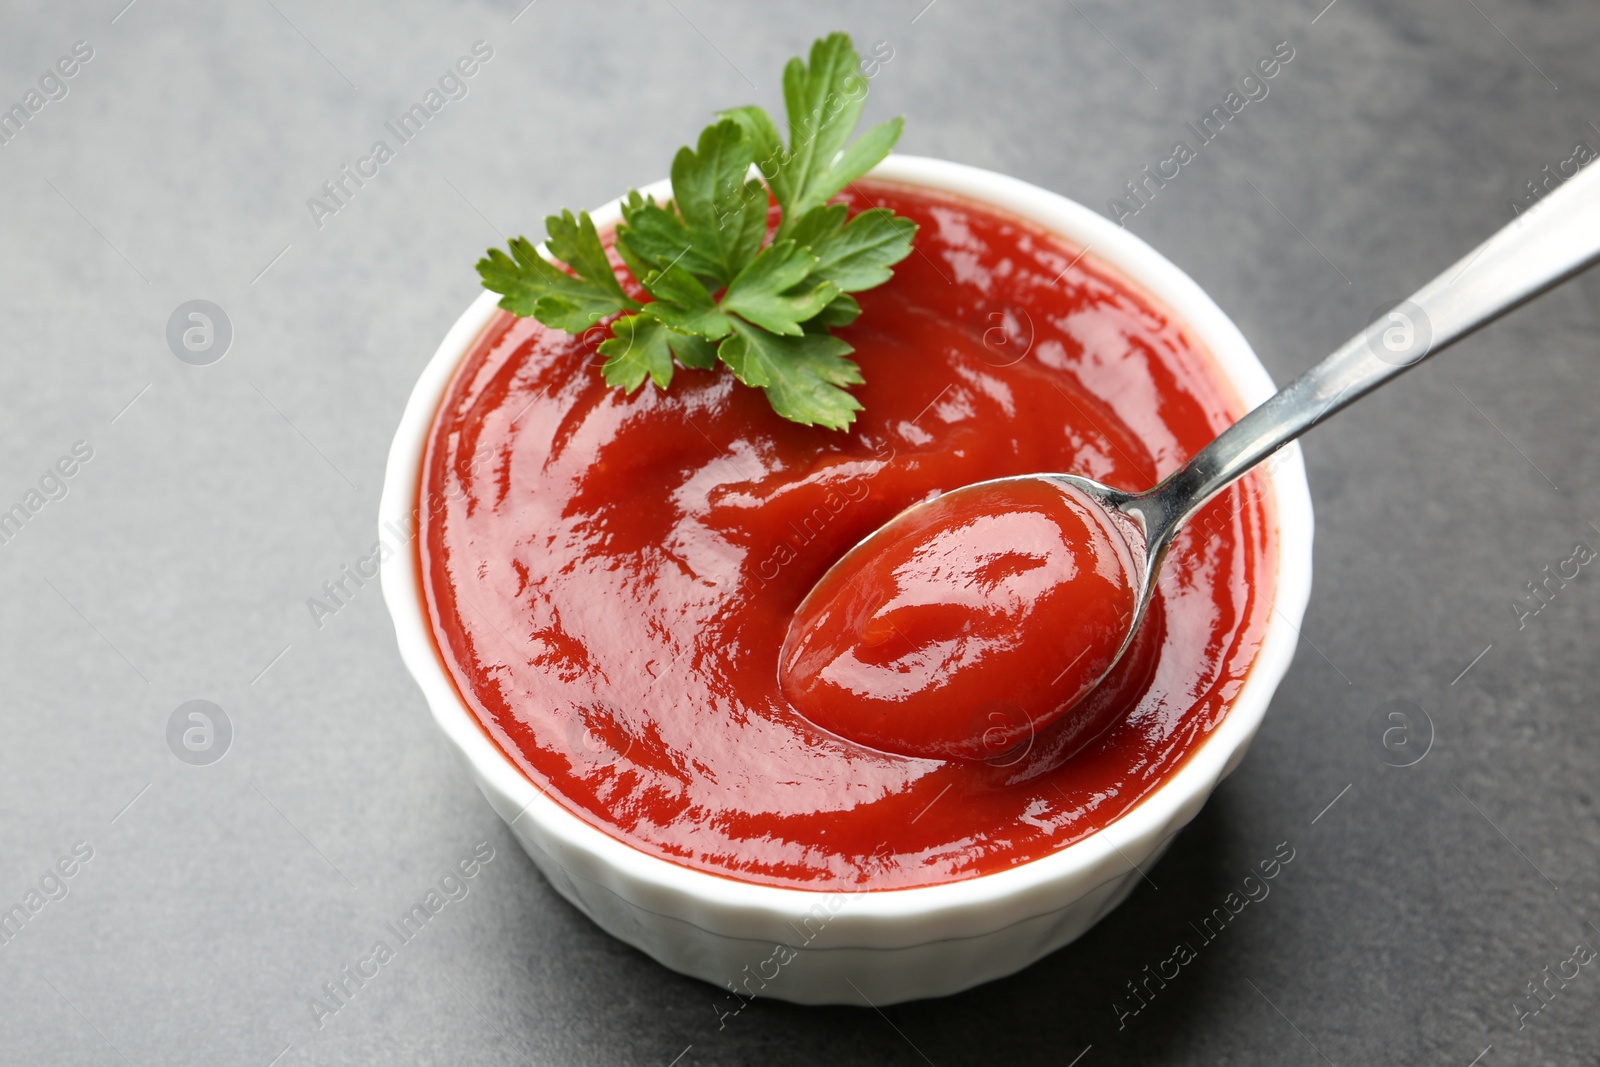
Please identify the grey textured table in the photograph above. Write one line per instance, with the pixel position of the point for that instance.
(217, 898)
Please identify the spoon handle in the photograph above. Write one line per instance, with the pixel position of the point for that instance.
(1556, 238)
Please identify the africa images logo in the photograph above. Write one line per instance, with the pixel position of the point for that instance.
(338, 191)
(1140, 190)
(53, 85)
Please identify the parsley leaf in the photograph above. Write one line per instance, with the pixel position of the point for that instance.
(574, 242)
(722, 289)
(653, 237)
(532, 285)
(823, 101)
(694, 352)
(637, 347)
(842, 312)
(684, 304)
(855, 255)
(725, 217)
(773, 293)
(802, 376)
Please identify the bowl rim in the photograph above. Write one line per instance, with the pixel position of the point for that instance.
(1032, 888)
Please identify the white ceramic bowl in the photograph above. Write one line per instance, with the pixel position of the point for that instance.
(882, 945)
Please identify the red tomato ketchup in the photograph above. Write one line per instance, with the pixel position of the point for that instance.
(965, 625)
(610, 579)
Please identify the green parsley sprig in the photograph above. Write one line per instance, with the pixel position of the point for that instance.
(722, 288)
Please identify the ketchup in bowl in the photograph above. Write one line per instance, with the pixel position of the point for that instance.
(610, 579)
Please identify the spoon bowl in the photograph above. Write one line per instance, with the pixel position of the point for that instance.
(938, 635)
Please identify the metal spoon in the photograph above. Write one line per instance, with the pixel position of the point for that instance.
(1552, 241)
